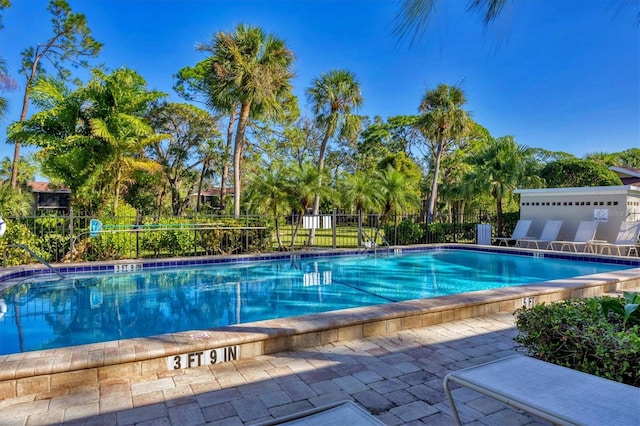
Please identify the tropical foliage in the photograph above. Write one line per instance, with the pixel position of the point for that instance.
(574, 172)
(120, 146)
(498, 169)
(92, 138)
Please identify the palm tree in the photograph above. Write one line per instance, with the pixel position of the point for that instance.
(445, 125)
(499, 168)
(126, 138)
(27, 166)
(93, 138)
(399, 192)
(252, 69)
(606, 158)
(270, 192)
(205, 82)
(334, 97)
(14, 202)
(358, 191)
(304, 185)
(120, 101)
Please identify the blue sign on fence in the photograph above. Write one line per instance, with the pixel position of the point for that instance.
(95, 226)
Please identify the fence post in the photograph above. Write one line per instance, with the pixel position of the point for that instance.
(246, 232)
(395, 229)
(293, 242)
(359, 227)
(455, 228)
(334, 227)
(71, 244)
(137, 235)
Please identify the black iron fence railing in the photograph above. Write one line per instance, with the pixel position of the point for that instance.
(73, 238)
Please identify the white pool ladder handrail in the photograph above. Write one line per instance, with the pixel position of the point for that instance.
(35, 256)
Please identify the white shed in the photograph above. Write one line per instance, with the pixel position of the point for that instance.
(608, 205)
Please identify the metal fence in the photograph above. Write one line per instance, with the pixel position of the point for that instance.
(70, 237)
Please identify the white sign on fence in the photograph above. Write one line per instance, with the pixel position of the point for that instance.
(316, 222)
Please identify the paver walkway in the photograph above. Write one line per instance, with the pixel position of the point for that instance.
(397, 377)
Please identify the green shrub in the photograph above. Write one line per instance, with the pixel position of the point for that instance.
(172, 236)
(450, 232)
(55, 245)
(405, 233)
(230, 241)
(578, 334)
(115, 242)
(18, 233)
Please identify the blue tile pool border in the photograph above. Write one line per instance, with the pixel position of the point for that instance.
(8, 275)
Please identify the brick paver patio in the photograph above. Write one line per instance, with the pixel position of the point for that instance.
(397, 377)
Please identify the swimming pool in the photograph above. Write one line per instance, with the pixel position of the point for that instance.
(105, 307)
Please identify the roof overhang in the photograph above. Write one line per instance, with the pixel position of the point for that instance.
(587, 190)
(624, 172)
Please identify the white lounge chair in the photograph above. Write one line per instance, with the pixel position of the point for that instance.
(521, 230)
(586, 232)
(557, 394)
(627, 239)
(549, 233)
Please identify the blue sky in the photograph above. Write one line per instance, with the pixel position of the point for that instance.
(562, 75)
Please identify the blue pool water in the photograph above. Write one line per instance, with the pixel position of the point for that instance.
(104, 307)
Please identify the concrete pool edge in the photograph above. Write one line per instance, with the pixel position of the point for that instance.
(58, 370)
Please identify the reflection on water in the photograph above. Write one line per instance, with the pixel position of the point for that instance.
(44, 315)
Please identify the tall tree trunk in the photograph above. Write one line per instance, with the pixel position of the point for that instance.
(499, 215)
(205, 166)
(462, 206)
(16, 149)
(278, 236)
(237, 156)
(23, 117)
(316, 199)
(295, 230)
(175, 201)
(434, 185)
(160, 200)
(225, 160)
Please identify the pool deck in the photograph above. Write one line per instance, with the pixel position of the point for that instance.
(396, 376)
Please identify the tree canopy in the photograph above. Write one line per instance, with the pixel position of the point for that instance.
(71, 41)
(575, 172)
